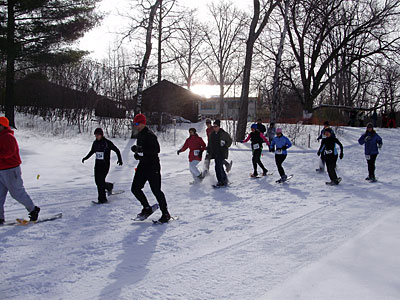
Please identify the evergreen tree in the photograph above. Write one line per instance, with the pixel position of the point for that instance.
(41, 32)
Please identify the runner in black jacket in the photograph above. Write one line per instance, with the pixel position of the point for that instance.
(146, 151)
(330, 155)
(102, 148)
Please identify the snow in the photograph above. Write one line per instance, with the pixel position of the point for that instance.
(253, 240)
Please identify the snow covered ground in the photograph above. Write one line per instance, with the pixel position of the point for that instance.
(253, 240)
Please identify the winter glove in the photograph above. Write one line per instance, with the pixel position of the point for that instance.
(367, 138)
(83, 160)
(241, 141)
(341, 155)
(137, 156)
(380, 146)
(318, 153)
(119, 162)
(136, 149)
(177, 152)
(284, 148)
(272, 149)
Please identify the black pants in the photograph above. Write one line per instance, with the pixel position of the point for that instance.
(371, 165)
(331, 166)
(149, 172)
(100, 174)
(257, 161)
(279, 159)
(219, 170)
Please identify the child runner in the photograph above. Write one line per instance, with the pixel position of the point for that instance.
(102, 148)
(321, 137)
(257, 139)
(372, 142)
(329, 151)
(281, 143)
(196, 146)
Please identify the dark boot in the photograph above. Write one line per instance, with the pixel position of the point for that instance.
(164, 218)
(34, 214)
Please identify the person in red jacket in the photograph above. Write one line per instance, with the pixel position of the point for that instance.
(196, 146)
(10, 172)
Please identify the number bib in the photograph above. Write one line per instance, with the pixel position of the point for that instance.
(255, 146)
(100, 155)
(327, 152)
(278, 151)
(368, 157)
(196, 152)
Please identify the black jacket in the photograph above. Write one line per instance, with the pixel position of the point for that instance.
(261, 128)
(328, 146)
(219, 143)
(147, 147)
(102, 149)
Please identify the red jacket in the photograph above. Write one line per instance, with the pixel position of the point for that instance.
(196, 146)
(9, 151)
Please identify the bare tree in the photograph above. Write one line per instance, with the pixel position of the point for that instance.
(254, 32)
(224, 44)
(187, 47)
(363, 28)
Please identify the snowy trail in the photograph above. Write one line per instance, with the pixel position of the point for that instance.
(236, 243)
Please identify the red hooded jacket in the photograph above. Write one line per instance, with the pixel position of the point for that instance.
(196, 146)
(9, 151)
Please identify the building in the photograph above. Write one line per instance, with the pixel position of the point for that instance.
(210, 108)
(170, 100)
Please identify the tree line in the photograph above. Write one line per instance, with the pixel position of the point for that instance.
(333, 52)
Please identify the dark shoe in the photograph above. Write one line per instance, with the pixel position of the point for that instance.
(229, 167)
(34, 214)
(1, 221)
(368, 178)
(145, 213)
(109, 191)
(164, 218)
(265, 172)
(219, 184)
(284, 177)
(253, 175)
(103, 201)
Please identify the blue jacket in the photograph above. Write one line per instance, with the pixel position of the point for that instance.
(279, 142)
(371, 145)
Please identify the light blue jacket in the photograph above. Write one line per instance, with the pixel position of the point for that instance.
(279, 142)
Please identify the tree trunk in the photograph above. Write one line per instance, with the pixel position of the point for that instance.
(244, 96)
(10, 71)
(159, 67)
(275, 88)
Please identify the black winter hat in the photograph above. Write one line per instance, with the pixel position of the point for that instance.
(217, 123)
(99, 131)
(329, 130)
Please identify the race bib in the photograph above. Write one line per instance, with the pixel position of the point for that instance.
(327, 152)
(278, 151)
(368, 157)
(256, 146)
(222, 143)
(100, 155)
(196, 152)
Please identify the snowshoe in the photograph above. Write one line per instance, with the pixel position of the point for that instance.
(145, 213)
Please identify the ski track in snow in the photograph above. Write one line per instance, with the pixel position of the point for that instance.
(234, 243)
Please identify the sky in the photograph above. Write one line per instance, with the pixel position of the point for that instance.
(98, 40)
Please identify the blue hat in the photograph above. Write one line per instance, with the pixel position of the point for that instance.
(254, 126)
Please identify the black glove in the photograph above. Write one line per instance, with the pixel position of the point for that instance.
(241, 141)
(284, 147)
(136, 149)
(272, 149)
(341, 155)
(119, 162)
(177, 152)
(318, 153)
(137, 156)
(83, 160)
